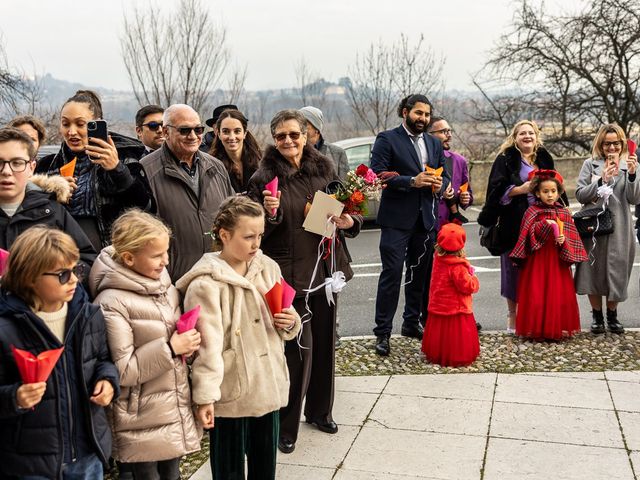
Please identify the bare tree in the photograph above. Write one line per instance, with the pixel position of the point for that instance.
(581, 70)
(236, 83)
(12, 84)
(175, 58)
(384, 74)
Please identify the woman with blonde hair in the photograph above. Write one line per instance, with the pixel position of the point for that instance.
(153, 424)
(608, 270)
(508, 198)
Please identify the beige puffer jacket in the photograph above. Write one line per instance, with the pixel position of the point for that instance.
(241, 365)
(152, 420)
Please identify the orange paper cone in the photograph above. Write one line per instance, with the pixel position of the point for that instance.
(67, 169)
(464, 187)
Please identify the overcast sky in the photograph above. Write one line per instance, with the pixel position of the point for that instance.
(79, 40)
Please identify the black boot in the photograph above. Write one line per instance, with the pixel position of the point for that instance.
(597, 326)
(612, 322)
(383, 346)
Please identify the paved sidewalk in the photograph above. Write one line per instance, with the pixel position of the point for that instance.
(565, 426)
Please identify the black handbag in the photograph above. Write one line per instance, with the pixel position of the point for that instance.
(493, 239)
(594, 222)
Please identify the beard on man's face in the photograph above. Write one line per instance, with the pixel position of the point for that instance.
(415, 127)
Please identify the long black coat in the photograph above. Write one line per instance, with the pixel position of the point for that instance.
(504, 173)
(285, 240)
(31, 441)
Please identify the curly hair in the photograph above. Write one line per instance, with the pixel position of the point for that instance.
(536, 181)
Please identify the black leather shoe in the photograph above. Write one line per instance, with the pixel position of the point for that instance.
(478, 326)
(413, 332)
(613, 324)
(382, 345)
(286, 446)
(326, 427)
(597, 325)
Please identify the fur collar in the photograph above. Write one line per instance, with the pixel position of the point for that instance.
(513, 155)
(54, 184)
(312, 164)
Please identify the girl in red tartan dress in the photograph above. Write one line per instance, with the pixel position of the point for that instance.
(451, 337)
(547, 246)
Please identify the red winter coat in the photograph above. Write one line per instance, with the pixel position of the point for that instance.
(451, 286)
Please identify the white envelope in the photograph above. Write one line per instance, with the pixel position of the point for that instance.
(322, 207)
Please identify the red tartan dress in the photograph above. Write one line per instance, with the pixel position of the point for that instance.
(450, 337)
(547, 303)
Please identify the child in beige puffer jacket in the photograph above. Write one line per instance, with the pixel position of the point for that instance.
(152, 421)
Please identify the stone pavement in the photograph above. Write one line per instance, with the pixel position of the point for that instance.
(564, 426)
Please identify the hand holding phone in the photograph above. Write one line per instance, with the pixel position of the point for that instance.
(101, 149)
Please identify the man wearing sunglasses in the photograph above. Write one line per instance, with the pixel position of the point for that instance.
(149, 127)
(188, 185)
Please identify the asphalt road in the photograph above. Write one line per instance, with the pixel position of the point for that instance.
(357, 301)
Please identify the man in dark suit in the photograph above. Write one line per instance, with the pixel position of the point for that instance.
(408, 216)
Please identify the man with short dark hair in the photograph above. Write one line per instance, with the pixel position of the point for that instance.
(408, 216)
(149, 127)
(315, 125)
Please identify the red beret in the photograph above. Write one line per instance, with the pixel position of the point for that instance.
(452, 237)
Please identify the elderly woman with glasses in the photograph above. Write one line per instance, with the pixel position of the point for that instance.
(302, 171)
(105, 176)
(608, 270)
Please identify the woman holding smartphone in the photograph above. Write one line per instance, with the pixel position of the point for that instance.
(608, 180)
(104, 173)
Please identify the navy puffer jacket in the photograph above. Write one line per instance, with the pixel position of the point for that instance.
(65, 425)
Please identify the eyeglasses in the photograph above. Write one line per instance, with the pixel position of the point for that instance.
(64, 276)
(16, 164)
(617, 144)
(186, 131)
(153, 126)
(446, 131)
(281, 137)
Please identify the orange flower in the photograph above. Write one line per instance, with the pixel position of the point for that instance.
(357, 197)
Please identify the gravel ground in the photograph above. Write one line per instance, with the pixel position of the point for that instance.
(498, 353)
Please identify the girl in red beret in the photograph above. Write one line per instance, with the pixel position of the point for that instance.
(547, 246)
(451, 337)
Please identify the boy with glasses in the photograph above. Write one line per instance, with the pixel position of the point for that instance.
(27, 200)
(149, 127)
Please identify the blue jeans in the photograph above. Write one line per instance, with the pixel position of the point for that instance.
(87, 468)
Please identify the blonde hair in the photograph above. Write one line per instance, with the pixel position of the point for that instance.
(37, 250)
(133, 230)
(510, 141)
(230, 212)
(596, 147)
(441, 252)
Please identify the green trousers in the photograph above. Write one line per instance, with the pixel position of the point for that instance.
(231, 439)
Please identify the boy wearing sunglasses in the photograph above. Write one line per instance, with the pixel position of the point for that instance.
(149, 127)
(27, 200)
(52, 426)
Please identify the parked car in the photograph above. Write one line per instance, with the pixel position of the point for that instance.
(359, 151)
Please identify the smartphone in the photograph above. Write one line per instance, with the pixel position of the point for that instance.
(98, 129)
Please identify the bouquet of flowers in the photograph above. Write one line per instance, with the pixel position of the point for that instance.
(361, 185)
